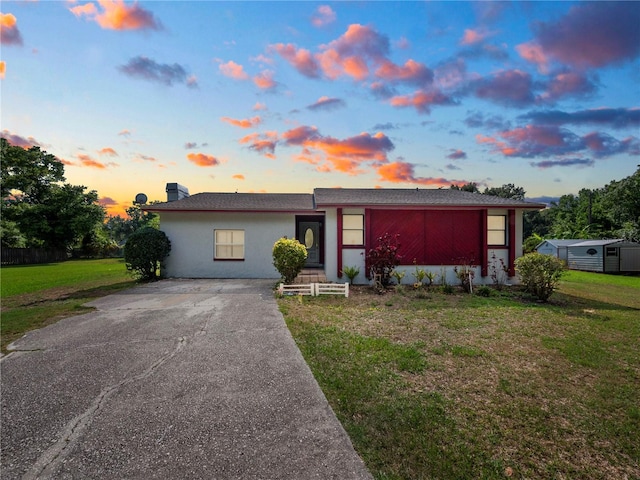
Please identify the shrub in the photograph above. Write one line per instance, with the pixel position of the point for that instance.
(540, 274)
(289, 256)
(398, 275)
(145, 252)
(483, 291)
(384, 258)
(351, 273)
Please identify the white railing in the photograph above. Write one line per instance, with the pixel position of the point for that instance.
(314, 289)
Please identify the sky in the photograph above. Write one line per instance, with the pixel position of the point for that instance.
(289, 96)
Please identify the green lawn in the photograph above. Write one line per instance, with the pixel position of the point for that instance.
(430, 385)
(36, 295)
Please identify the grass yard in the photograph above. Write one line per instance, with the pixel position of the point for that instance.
(459, 386)
(34, 296)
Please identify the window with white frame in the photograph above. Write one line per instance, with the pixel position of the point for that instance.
(352, 229)
(228, 245)
(497, 229)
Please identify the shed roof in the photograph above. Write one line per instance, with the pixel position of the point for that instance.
(599, 243)
(561, 242)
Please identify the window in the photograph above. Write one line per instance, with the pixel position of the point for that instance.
(612, 252)
(497, 230)
(352, 229)
(229, 245)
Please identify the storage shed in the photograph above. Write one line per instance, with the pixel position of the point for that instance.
(604, 256)
(557, 248)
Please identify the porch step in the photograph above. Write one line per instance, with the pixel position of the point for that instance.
(309, 275)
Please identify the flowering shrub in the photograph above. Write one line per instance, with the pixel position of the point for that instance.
(384, 258)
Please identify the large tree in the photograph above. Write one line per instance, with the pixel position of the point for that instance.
(35, 201)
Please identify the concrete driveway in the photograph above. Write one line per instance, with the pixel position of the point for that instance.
(177, 379)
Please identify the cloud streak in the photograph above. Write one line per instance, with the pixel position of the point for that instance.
(244, 123)
(144, 68)
(548, 140)
(203, 160)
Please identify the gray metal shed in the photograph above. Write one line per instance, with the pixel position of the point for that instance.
(557, 247)
(604, 256)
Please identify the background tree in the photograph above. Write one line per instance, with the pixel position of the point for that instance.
(35, 202)
(508, 190)
(119, 229)
(469, 187)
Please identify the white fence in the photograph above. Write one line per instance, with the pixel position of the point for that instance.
(315, 289)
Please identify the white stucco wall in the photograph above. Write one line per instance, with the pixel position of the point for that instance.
(191, 235)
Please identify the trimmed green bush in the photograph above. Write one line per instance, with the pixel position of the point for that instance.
(289, 256)
(145, 252)
(540, 274)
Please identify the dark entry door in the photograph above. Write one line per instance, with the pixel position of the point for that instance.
(309, 236)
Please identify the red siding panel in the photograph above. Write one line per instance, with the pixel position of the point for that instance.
(432, 237)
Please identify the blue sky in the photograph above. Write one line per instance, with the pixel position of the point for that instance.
(288, 96)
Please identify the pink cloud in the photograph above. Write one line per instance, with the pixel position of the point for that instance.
(404, 172)
(124, 133)
(264, 144)
(238, 176)
(550, 140)
(592, 34)
(343, 155)
(473, 37)
(245, 123)
(259, 106)
(9, 33)
(264, 80)
(116, 15)
(351, 52)
(568, 84)
(203, 160)
(299, 58)
(323, 16)
(412, 72)
(3, 69)
(233, 70)
(108, 151)
(19, 141)
(533, 53)
(422, 100)
(88, 161)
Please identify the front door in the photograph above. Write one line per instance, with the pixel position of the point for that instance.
(309, 236)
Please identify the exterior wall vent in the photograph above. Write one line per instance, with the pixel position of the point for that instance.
(175, 191)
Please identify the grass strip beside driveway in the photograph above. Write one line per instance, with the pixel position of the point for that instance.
(34, 296)
(430, 385)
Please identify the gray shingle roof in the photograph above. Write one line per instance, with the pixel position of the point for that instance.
(326, 197)
(266, 202)
(413, 197)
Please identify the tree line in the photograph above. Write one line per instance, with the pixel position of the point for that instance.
(612, 211)
(39, 209)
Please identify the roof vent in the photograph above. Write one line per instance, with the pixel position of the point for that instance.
(175, 191)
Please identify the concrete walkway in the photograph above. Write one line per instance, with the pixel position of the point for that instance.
(184, 379)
